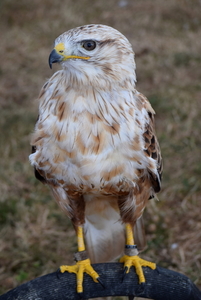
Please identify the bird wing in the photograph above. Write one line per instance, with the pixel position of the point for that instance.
(152, 150)
(151, 146)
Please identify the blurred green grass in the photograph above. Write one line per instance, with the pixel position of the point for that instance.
(35, 237)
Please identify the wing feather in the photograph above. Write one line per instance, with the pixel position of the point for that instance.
(151, 146)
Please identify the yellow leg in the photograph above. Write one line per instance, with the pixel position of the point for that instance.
(82, 266)
(80, 239)
(129, 235)
(134, 259)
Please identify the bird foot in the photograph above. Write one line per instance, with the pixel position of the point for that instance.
(81, 267)
(138, 263)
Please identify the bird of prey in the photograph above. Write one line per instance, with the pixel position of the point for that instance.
(95, 146)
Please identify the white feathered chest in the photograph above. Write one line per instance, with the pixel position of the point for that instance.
(88, 136)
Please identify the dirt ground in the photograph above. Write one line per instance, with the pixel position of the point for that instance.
(35, 236)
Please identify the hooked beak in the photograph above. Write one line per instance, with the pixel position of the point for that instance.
(59, 54)
(54, 58)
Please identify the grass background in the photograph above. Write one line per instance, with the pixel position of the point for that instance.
(35, 237)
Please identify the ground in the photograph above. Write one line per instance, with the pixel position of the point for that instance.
(35, 236)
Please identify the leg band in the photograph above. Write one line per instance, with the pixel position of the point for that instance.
(131, 250)
(80, 255)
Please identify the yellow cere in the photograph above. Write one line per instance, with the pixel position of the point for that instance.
(60, 48)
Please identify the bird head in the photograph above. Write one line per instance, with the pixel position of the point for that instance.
(97, 53)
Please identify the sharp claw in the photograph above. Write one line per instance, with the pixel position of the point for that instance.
(81, 296)
(101, 282)
(141, 288)
(58, 272)
(124, 274)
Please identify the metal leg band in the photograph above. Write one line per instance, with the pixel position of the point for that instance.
(80, 255)
(131, 250)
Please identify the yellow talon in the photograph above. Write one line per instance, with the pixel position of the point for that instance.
(81, 267)
(138, 263)
(133, 259)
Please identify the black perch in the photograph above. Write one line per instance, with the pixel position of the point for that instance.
(161, 284)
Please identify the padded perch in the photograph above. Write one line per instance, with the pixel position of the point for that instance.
(161, 284)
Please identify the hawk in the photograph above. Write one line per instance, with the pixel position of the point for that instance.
(95, 146)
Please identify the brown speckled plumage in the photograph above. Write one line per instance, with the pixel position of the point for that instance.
(94, 142)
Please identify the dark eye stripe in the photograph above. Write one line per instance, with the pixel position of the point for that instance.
(89, 45)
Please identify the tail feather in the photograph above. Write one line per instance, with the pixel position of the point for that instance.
(104, 244)
(104, 231)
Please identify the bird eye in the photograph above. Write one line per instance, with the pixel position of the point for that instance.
(89, 45)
